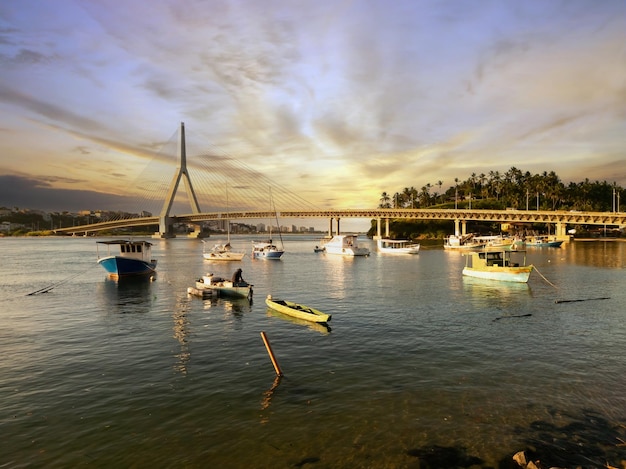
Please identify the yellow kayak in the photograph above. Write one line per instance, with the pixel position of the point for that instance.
(297, 310)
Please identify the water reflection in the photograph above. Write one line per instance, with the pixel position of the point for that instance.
(127, 296)
(181, 333)
(322, 328)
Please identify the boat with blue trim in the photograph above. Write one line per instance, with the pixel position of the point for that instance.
(133, 260)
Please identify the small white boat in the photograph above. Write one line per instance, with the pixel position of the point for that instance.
(498, 264)
(397, 246)
(345, 245)
(266, 250)
(222, 252)
(236, 287)
(467, 241)
(133, 260)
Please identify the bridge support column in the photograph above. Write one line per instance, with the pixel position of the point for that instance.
(387, 227)
(330, 227)
(338, 230)
(378, 228)
(166, 229)
(456, 228)
(561, 231)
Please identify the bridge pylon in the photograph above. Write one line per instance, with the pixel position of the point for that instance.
(166, 225)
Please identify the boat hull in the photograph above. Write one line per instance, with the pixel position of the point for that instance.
(226, 289)
(118, 266)
(390, 246)
(502, 274)
(223, 256)
(268, 254)
(298, 311)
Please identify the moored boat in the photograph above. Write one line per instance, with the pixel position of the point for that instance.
(345, 245)
(222, 252)
(134, 258)
(266, 250)
(543, 241)
(397, 246)
(235, 288)
(467, 241)
(498, 264)
(297, 310)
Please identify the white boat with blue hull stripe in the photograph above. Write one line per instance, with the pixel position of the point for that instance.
(133, 260)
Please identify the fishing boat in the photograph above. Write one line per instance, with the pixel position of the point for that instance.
(234, 288)
(133, 260)
(397, 246)
(543, 241)
(297, 310)
(467, 241)
(498, 264)
(345, 245)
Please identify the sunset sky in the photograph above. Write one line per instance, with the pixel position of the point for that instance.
(346, 98)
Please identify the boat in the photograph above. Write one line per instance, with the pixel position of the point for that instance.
(345, 245)
(397, 246)
(234, 288)
(543, 241)
(134, 258)
(267, 249)
(467, 241)
(222, 252)
(297, 310)
(319, 249)
(498, 264)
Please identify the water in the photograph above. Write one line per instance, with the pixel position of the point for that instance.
(421, 365)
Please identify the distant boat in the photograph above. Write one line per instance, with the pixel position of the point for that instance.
(223, 251)
(498, 264)
(543, 241)
(345, 245)
(297, 310)
(397, 246)
(267, 249)
(134, 258)
(467, 241)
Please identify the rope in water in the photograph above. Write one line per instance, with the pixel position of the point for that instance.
(542, 276)
(61, 282)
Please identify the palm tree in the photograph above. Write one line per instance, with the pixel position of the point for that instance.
(385, 201)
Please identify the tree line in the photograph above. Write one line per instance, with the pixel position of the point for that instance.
(512, 189)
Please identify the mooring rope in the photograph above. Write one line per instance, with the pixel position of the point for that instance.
(60, 282)
(542, 276)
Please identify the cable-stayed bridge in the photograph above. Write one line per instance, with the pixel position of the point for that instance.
(234, 191)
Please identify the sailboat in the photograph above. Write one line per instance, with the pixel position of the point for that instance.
(266, 249)
(220, 251)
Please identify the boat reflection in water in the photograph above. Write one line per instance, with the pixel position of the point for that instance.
(322, 328)
(128, 295)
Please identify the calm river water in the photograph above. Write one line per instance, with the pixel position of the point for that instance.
(422, 367)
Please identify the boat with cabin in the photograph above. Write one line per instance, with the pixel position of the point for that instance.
(543, 241)
(297, 310)
(467, 241)
(397, 246)
(345, 245)
(266, 250)
(133, 260)
(498, 264)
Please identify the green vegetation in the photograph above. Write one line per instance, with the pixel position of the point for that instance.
(496, 191)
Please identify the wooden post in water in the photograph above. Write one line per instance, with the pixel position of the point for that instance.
(271, 354)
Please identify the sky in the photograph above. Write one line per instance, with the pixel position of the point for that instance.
(348, 99)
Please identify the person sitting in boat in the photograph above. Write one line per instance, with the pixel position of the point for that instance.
(237, 277)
